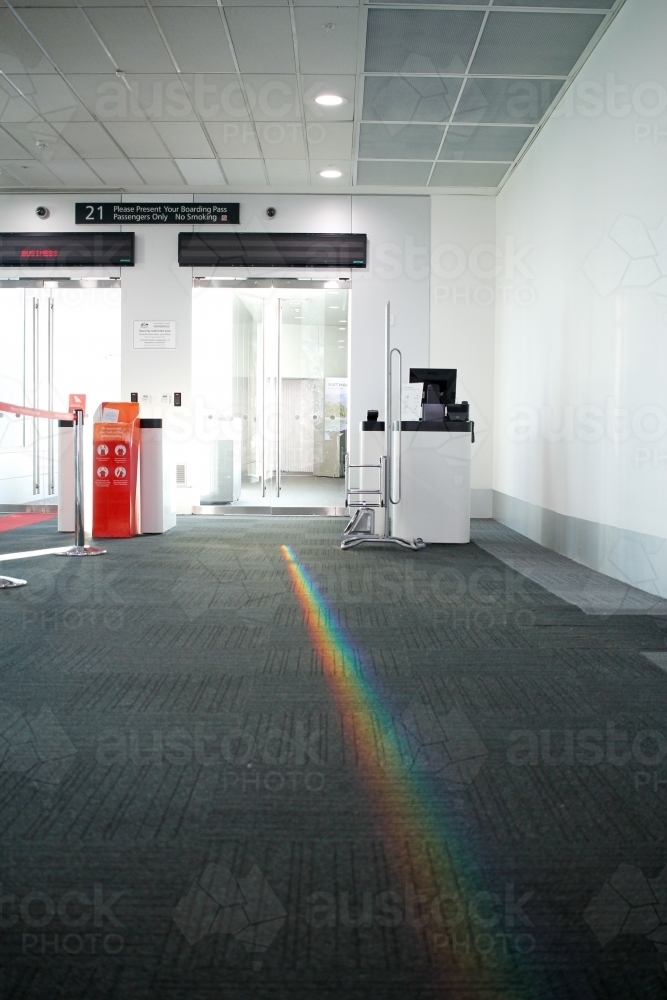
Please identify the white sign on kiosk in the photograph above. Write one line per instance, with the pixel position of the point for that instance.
(154, 335)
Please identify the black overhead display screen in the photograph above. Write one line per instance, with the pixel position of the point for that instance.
(234, 249)
(66, 249)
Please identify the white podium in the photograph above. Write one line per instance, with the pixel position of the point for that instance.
(434, 482)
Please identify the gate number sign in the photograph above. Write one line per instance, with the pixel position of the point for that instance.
(157, 214)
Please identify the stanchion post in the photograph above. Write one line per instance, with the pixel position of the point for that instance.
(79, 548)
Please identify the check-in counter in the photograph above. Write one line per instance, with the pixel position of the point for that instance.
(432, 478)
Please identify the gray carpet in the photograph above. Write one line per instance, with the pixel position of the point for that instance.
(186, 812)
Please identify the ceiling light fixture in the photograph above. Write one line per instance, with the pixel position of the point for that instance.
(330, 100)
(330, 173)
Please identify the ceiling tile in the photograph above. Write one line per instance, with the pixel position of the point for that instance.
(288, 172)
(89, 139)
(282, 140)
(400, 142)
(184, 139)
(274, 97)
(345, 167)
(326, 139)
(233, 139)
(137, 139)
(7, 181)
(28, 135)
(244, 171)
(590, 4)
(18, 52)
(468, 174)
(388, 172)
(420, 41)
(328, 39)
(484, 142)
(10, 149)
(106, 96)
(132, 38)
(197, 38)
(313, 86)
(52, 98)
(30, 172)
(158, 172)
(13, 107)
(516, 101)
(68, 38)
(206, 172)
(413, 98)
(43, 3)
(524, 43)
(262, 41)
(74, 173)
(116, 173)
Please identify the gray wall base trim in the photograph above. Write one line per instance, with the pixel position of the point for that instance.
(481, 503)
(630, 556)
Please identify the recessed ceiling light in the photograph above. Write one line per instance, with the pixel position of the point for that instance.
(330, 173)
(330, 100)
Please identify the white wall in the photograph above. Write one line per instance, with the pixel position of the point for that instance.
(465, 260)
(581, 356)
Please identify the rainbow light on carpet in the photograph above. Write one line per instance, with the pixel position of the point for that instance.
(424, 850)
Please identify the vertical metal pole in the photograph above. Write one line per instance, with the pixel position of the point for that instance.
(263, 424)
(51, 470)
(279, 398)
(79, 537)
(387, 419)
(35, 395)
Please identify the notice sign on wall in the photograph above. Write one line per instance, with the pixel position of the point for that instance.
(153, 334)
(143, 213)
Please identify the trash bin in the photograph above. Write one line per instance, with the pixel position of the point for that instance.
(156, 493)
(65, 475)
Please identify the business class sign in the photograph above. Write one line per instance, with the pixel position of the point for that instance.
(157, 213)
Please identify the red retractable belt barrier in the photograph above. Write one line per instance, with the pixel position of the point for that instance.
(28, 411)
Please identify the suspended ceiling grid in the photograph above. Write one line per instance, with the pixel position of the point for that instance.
(201, 96)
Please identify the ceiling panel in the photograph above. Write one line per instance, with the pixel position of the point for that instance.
(31, 173)
(105, 95)
(484, 142)
(274, 97)
(524, 43)
(468, 174)
(197, 38)
(244, 171)
(89, 139)
(327, 38)
(18, 52)
(413, 98)
(13, 107)
(68, 38)
(496, 100)
(10, 149)
(379, 172)
(400, 142)
(233, 139)
(263, 43)
(158, 172)
(449, 3)
(571, 4)
(288, 172)
(137, 139)
(282, 140)
(329, 139)
(116, 173)
(52, 98)
(345, 167)
(51, 143)
(132, 38)
(420, 41)
(74, 172)
(314, 85)
(184, 139)
(205, 172)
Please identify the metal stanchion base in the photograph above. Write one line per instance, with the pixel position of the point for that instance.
(349, 541)
(10, 581)
(82, 550)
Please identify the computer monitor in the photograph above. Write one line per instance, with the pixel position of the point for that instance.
(443, 380)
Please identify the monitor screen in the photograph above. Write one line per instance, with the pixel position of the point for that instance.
(234, 249)
(443, 381)
(66, 249)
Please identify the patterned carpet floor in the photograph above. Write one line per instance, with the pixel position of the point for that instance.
(231, 771)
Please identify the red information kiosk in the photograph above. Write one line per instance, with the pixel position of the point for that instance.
(115, 462)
